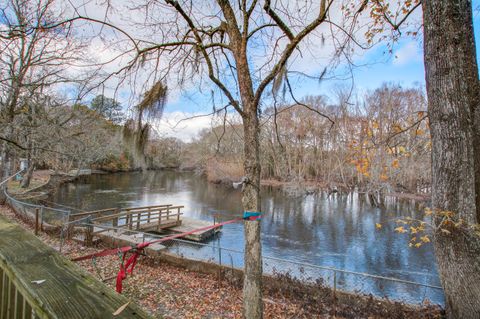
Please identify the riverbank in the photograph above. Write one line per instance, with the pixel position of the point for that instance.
(230, 173)
(42, 181)
(169, 291)
(45, 182)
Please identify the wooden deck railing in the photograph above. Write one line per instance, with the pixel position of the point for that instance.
(113, 210)
(37, 282)
(134, 218)
(155, 217)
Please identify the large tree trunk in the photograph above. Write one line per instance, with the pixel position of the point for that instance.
(252, 285)
(27, 177)
(452, 88)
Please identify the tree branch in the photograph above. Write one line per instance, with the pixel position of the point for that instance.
(289, 50)
(278, 20)
(200, 45)
(332, 122)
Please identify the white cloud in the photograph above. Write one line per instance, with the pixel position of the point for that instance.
(187, 126)
(318, 51)
(408, 53)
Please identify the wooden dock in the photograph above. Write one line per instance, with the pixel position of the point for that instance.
(189, 224)
(120, 225)
(37, 282)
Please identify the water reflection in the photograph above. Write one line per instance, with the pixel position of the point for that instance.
(336, 231)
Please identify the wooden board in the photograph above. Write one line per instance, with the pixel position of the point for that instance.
(155, 226)
(189, 224)
(114, 239)
(67, 292)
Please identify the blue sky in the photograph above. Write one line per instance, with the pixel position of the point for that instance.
(404, 67)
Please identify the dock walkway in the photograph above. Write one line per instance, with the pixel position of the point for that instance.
(119, 226)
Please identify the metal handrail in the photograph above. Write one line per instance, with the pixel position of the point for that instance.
(10, 177)
(9, 197)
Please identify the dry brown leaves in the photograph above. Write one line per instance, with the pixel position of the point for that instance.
(171, 292)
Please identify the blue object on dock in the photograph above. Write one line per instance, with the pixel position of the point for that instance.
(252, 215)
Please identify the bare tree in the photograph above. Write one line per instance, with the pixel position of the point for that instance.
(242, 47)
(34, 57)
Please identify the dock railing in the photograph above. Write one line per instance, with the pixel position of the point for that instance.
(152, 218)
(161, 216)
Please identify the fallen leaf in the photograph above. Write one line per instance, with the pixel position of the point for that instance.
(122, 308)
(400, 229)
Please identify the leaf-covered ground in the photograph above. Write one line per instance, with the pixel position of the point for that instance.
(172, 292)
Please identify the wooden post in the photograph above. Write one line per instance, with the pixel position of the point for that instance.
(168, 214)
(70, 228)
(11, 300)
(159, 218)
(41, 219)
(149, 214)
(139, 215)
(5, 280)
(37, 213)
(115, 224)
(70, 231)
(128, 220)
(178, 215)
(89, 236)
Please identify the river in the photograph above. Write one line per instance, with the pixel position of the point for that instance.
(337, 231)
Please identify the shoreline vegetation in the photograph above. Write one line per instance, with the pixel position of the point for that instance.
(220, 176)
(169, 286)
(378, 148)
(42, 182)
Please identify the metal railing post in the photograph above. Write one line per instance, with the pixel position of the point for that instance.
(334, 293)
(334, 283)
(37, 212)
(41, 219)
(219, 252)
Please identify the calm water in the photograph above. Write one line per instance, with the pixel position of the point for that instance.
(338, 231)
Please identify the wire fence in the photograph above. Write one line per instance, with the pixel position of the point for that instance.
(47, 215)
(397, 289)
(389, 288)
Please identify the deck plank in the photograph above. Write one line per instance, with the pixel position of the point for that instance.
(68, 291)
(189, 224)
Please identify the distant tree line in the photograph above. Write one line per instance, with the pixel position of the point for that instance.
(378, 143)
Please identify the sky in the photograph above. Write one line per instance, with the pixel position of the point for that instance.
(376, 66)
(373, 67)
